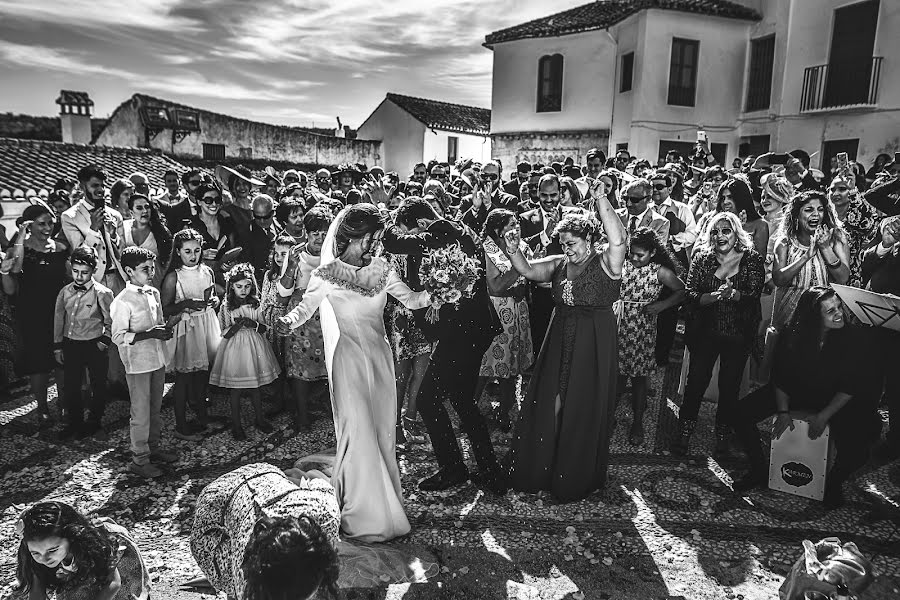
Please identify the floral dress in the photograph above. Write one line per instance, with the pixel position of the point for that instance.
(304, 347)
(511, 352)
(637, 329)
(135, 579)
(407, 339)
(272, 306)
(814, 272)
(861, 224)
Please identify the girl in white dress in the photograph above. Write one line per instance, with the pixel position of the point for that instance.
(187, 291)
(245, 360)
(350, 290)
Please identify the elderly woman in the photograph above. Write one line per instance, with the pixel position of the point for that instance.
(734, 196)
(511, 353)
(723, 286)
(561, 443)
(824, 369)
(859, 220)
(812, 250)
(289, 213)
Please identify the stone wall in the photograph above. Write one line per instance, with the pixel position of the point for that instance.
(242, 139)
(546, 147)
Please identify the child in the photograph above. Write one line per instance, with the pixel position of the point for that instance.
(187, 292)
(273, 304)
(139, 330)
(245, 360)
(304, 347)
(61, 551)
(650, 268)
(81, 336)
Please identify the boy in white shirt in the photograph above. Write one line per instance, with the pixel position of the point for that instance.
(139, 331)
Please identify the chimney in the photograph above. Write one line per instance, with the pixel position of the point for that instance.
(339, 132)
(75, 116)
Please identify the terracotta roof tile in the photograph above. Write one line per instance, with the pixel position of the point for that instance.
(444, 115)
(36, 164)
(605, 13)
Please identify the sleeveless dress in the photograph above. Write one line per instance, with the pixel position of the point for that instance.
(511, 352)
(148, 244)
(566, 451)
(304, 347)
(637, 329)
(133, 571)
(197, 335)
(43, 275)
(228, 508)
(814, 272)
(245, 360)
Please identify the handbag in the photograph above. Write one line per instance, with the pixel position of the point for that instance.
(823, 566)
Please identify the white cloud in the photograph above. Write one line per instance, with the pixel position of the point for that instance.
(101, 13)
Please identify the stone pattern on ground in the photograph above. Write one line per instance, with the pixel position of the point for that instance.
(662, 528)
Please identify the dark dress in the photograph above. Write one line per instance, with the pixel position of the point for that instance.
(43, 275)
(567, 453)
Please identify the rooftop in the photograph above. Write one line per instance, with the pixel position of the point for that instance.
(30, 127)
(37, 164)
(444, 115)
(606, 13)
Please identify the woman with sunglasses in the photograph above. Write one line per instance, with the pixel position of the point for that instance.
(218, 229)
(859, 219)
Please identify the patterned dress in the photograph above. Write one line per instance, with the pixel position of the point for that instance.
(814, 272)
(511, 352)
(304, 350)
(228, 508)
(407, 339)
(861, 224)
(135, 579)
(272, 306)
(637, 329)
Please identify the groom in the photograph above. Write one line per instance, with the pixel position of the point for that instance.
(463, 333)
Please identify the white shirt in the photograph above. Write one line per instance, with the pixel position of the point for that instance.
(133, 311)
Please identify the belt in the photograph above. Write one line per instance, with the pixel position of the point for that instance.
(565, 310)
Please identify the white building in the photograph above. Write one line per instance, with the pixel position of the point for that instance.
(413, 130)
(646, 75)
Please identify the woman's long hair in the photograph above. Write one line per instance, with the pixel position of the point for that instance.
(496, 220)
(115, 192)
(791, 221)
(91, 547)
(289, 558)
(158, 228)
(646, 238)
(744, 241)
(741, 196)
(569, 184)
(178, 240)
(805, 328)
(359, 220)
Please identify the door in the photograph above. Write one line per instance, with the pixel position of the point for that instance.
(850, 61)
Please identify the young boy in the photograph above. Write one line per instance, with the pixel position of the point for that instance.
(139, 330)
(81, 335)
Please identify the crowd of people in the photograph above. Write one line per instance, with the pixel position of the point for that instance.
(239, 281)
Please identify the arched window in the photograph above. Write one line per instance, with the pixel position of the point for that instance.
(549, 89)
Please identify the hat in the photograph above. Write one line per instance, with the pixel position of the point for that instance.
(353, 170)
(376, 170)
(777, 187)
(226, 175)
(37, 208)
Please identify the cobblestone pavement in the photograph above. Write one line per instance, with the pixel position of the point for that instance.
(663, 527)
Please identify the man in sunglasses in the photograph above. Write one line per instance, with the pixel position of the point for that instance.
(638, 211)
(523, 172)
(441, 172)
(323, 181)
(178, 213)
(486, 197)
(261, 236)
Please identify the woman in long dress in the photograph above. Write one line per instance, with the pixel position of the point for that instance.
(561, 441)
(350, 290)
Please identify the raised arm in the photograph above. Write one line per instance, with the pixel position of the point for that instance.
(398, 242)
(614, 257)
(399, 290)
(783, 272)
(316, 292)
(538, 270)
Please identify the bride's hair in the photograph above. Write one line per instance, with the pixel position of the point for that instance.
(359, 220)
(288, 558)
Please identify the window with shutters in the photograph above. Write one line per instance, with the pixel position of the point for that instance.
(627, 72)
(213, 151)
(683, 72)
(550, 77)
(759, 82)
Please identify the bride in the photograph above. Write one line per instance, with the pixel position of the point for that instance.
(350, 289)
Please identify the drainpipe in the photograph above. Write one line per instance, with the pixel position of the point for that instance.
(612, 115)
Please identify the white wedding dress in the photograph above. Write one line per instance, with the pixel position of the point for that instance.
(360, 366)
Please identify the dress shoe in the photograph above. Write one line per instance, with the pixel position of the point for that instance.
(162, 456)
(444, 479)
(148, 470)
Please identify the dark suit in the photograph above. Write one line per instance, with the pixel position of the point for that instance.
(512, 186)
(475, 217)
(178, 215)
(464, 333)
(540, 308)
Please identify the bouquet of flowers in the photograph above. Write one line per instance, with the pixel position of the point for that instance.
(448, 274)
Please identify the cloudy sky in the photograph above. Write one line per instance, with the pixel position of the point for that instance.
(292, 62)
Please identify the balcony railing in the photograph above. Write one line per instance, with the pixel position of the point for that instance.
(841, 84)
